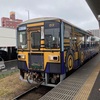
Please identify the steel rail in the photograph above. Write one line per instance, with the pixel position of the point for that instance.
(26, 92)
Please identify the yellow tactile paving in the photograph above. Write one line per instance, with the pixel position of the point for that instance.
(85, 90)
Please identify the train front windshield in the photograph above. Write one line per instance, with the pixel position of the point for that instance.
(52, 35)
(22, 40)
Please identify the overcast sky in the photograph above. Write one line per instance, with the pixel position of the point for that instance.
(76, 12)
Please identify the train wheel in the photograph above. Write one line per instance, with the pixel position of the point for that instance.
(29, 78)
(70, 62)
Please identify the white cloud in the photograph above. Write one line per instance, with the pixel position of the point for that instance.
(75, 11)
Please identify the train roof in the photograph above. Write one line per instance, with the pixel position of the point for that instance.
(53, 18)
(39, 19)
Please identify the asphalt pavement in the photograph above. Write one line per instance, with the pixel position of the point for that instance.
(9, 65)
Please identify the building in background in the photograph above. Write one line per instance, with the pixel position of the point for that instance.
(95, 32)
(11, 22)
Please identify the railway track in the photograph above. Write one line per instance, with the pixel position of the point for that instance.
(24, 93)
(33, 93)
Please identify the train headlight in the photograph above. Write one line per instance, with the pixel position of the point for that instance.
(21, 56)
(53, 57)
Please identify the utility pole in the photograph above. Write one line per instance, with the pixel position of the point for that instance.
(28, 14)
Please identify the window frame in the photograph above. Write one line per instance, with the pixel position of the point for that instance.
(53, 24)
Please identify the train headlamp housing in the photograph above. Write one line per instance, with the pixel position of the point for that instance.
(53, 58)
(21, 56)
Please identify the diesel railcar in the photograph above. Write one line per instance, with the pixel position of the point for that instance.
(49, 47)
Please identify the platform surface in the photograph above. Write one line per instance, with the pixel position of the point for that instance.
(79, 85)
(95, 93)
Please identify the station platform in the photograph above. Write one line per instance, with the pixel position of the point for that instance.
(83, 84)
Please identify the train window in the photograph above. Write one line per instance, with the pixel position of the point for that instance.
(82, 45)
(22, 40)
(35, 39)
(52, 34)
(87, 44)
(67, 31)
(52, 39)
(42, 32)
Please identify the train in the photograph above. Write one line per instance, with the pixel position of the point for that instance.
(49, 47)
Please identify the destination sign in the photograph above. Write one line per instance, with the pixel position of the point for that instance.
(51, 24)
(21, 28)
